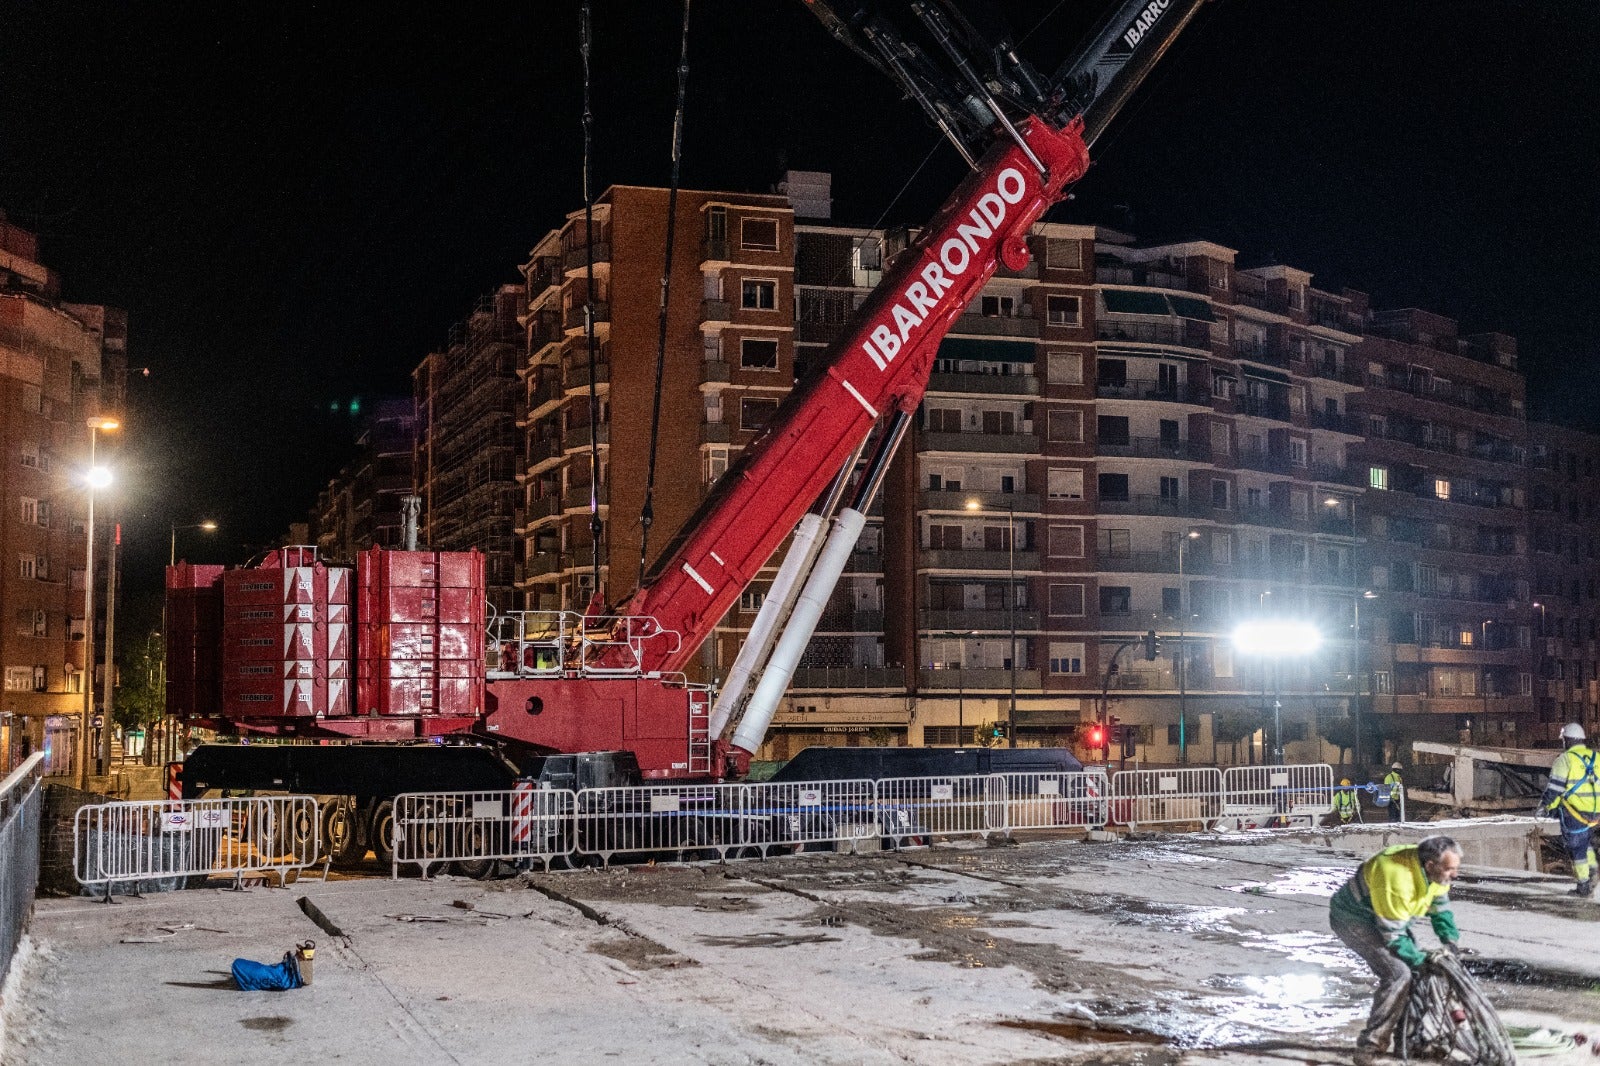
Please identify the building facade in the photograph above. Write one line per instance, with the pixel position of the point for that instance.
(1564, 549)
(362, 507)
(60, 364)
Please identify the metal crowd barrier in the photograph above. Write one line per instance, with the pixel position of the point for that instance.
(21, 807)
(436, 828)
(810, 815)
(915, 809)
(1302, 791)
(1153, 797)
(1057, 800)
(158, 845)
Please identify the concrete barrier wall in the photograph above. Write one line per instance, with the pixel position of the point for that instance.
(1505, 843)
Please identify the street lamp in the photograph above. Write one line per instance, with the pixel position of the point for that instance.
(1011, 610)
(1182, 661)
(1360, 646)
(207, 526)
(96, 478)
(1274, 641)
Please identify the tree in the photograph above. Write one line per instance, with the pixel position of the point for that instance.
(140, 699)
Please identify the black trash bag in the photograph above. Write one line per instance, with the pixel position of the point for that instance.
(266, 976)
(1449, 1019)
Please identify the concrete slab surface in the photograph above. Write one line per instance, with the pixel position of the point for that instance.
(1172, 949)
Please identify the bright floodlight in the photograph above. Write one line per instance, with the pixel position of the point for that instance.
(1276, 640)
(98, 477)
(208, 526)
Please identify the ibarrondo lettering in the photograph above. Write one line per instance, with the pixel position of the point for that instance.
(1147, 18)
(921, 297)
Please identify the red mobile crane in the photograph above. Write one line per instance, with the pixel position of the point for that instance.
(610, 684)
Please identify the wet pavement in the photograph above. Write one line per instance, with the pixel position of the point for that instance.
(1164, 950)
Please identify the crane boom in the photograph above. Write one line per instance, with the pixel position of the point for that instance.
(884, 360)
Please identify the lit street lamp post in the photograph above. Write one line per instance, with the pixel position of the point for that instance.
(1362, 677)
(1181, 662)
(95, 478)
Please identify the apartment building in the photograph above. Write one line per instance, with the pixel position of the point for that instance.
(1563, 510)
(729, 360)
(60, 364)
(466, 411)
(362, 507)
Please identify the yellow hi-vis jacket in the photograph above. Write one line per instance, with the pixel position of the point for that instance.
(1395, 785)
(1575, 784)
(1344, 804)
(1391, 890)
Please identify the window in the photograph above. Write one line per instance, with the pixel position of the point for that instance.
(944, 420)
(1378, 477)
(30, 456)
(1441, 488)
(1297, 451)
(44, 513)
(758, 353)
(1065, 542)
(1113, 487)
(1064, 368)
(1222, 386)
(759, 233)
(998, 307)
(1221, 439)
(754, 414)
(1222, 547)
(1115, 599)
(1170, 607)
(1063, 310)
(1066, 658)
(27, 566)
(30, 510)
(1116, 543)
(32, 399)
(19, 679)
(758, 295)
(1219, 494)
(1170, 488)
(1252, 499)
(41, 679)
(1066, 601)
(1063, 255)
(1064, 484)
(1112, 429)
(716, 464)
(717, 224)
(751, 600)
(1064, 427)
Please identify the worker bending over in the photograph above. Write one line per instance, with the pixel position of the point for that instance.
(1372, 913)
(1573, 796)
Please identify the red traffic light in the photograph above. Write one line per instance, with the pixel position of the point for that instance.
(1096, 736)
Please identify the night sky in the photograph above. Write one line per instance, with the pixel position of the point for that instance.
(295, 201)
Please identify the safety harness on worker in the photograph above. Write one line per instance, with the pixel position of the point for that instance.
(1590, 817)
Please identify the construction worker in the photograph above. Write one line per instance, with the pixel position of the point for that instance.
(1397, 789)
(1344, 802)
(1573, 796)
(1372, 913)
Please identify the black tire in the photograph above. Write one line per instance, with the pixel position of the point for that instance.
(380, 832)
(477, 869)
(341, 838)
(298, 832)
(698, 842)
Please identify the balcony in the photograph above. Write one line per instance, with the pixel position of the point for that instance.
(996, 326)
(1154, 448)
(577, 499)
(1264, 407)
(1338, 422)
(718, 312)
(850, 621)
(1184, 334)
(544, 450)
(541, 509)
(1143, 562)
(576, 258)
(978, 678)
(1001, 443)
(985, 384)
(977, 559)
(936, 622)
(715, 433)
(543, 330)
(1143, 389)
(574, 320)
(1153, 505)
(1269, 354)
(576, 378)
(715, 372)
(818, 332)
(543, 273)
(715, 250)
(577, 437)
(834, 678)
(988, 502)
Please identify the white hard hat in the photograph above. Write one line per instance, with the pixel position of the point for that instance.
(1396, 766)
(1572, 731)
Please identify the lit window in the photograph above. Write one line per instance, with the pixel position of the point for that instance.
(1466, 638)
(1441, 488)
(1378, 477)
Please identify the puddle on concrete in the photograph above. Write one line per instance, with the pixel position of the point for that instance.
(1520, 973)
(272, 1023)
(1561, 906)
(1319, 881)
(1305, 946)
(1087, 1031)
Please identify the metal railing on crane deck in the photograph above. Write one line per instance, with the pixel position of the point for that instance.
(561, 643)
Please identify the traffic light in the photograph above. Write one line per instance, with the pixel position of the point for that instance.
(1130, 741)
(1095, 736)
(1152, 646)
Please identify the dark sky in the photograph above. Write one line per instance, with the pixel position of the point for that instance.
(295, 201)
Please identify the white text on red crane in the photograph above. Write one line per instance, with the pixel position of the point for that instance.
(921, 297)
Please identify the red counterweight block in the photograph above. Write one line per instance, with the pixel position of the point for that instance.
(194, 639)
(420, 633)
(286, 638)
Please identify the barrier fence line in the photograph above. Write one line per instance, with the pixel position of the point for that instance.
(1155, 797)
(161, 842)
(1057, 800)
(437, 828)
(1297, 791)
(21, 810)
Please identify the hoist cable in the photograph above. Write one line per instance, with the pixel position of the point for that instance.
(585, 31)
(647, 512)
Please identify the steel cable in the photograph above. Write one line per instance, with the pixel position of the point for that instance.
(1449, 1018)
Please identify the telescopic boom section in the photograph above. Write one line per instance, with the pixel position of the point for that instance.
(881, 365)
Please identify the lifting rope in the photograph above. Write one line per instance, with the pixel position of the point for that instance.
(584, 34)
(647, 513)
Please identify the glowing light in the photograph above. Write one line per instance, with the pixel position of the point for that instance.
(98, 477)
(1277, 639)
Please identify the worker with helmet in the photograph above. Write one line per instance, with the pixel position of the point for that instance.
(1344, 802)
(1573, 796)
(1397, 788)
